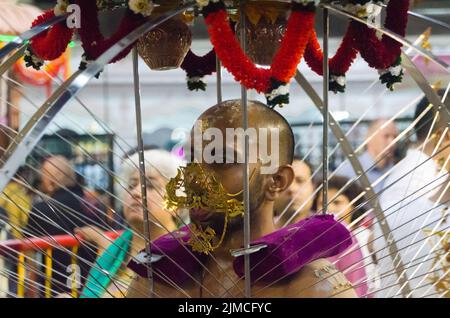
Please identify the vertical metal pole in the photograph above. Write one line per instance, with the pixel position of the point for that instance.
(219, 80)
(326, 119)
(142, 175)
(244, 101)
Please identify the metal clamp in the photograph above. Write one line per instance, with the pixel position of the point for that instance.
(247, 251)
(142, 258)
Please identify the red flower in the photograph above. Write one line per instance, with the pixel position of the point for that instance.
(52, 43)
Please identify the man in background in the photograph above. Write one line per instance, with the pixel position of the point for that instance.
(60, 211)
(379, 158)
(415, 204)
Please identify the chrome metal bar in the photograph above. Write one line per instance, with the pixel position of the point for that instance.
(325, 113)
(392, 35)
(244, 99)
(30, 34)
(219, 80)
(142, 175)
(34, 130)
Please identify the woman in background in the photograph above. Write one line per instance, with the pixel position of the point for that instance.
(358, 263)
(160, 167)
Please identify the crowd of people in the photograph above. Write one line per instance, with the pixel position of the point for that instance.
(61, 206)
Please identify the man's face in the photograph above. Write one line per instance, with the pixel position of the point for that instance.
(230, 176)
(133, 209)
(299, 196)
(383, 139)
(227, 170)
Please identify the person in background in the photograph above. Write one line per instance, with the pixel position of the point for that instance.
(16, 201)
(129, 163)
(59, 213)
(379, 157)
(295, 204)
(160, 167)
(359, 264)
(416, 205)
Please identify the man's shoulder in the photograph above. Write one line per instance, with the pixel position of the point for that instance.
(320, 279)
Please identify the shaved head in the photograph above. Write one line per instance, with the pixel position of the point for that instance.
(57, 172)
(229, 114)
(270, 171)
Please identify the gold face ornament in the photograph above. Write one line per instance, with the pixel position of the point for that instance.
(196, 188)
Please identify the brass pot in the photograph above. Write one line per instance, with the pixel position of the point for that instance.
(165, 47)
(263, 38)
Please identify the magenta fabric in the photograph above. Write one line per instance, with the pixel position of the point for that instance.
(178, 263)
(287, 251)
(351, 263)
(292, 247)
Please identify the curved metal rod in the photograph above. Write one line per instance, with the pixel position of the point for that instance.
(28, 137)
(30, 34)
(424, 17)
(6, 65)
(392, 35)
(359, 171)
(429, 92)
(427, 18)
(22, 145)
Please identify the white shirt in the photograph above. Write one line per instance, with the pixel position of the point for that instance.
(410, 213)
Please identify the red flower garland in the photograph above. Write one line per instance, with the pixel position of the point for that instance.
(284, 65)
(93, 41)
(340, 63)
(382, 54)
(52, 43)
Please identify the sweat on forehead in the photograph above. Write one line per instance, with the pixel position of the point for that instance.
(229, 114)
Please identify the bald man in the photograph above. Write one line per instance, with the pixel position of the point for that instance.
(270, 174)
(378, 159)
(59, 212)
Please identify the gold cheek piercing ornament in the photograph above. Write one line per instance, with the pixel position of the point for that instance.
(196, 188)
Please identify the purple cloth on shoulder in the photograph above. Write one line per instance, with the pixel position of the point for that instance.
(292, 247)
(287, 251)
(178, 261)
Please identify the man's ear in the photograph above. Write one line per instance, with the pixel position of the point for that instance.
(279, 182)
